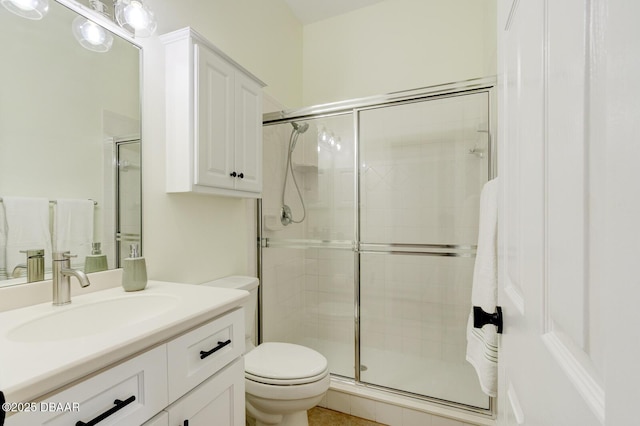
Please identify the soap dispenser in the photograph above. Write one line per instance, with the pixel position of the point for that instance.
(134, 275)
(96, 261)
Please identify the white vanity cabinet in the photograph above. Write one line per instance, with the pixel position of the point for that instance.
(196, 378)
(213, 119)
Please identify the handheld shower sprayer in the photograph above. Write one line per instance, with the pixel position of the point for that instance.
(286, 216)
(300, 128)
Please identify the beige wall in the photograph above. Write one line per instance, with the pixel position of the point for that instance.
(195, 238)
(398, 45)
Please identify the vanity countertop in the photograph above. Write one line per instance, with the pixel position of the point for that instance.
(30, 368)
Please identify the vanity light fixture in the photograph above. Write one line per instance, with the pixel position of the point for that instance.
(30, 9)
(135, 16)
(91, 35)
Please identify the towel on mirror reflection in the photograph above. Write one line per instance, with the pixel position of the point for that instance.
(27, 221)
(73, 228)
(3, 244)
(482, 343)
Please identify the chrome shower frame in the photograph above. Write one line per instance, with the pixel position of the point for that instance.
(481, 85)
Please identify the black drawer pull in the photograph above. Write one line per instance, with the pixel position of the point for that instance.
(204, 354)
(119, 405)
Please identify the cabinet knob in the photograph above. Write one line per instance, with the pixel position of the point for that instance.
(232, 174)
(241, 175)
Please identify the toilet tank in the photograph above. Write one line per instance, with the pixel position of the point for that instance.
(249, 284)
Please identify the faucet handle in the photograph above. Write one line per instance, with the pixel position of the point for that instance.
(33, 252)
(62, 255)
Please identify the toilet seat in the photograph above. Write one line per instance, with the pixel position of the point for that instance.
(287, 392)
(285, 364)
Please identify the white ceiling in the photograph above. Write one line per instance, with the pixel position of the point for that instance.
(309, 11)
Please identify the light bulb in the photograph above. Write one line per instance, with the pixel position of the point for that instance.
(323, 135)
(134, 16)
(93, 33)
(30, 9)
(91, 36)
(26, 5)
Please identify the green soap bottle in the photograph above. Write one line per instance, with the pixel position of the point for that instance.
(134, 274)
(96, 261)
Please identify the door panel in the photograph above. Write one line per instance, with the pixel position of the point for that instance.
(545, 171)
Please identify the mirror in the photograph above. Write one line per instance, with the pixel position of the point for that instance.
(70, 129)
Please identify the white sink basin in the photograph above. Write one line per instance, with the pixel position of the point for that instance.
(81, 320)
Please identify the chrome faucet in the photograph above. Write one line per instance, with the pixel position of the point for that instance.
(61, 277)
(34, 265)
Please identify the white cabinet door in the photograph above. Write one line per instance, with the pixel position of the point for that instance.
(248, 140)
(217, 401)
(214, 121)
(569, 123)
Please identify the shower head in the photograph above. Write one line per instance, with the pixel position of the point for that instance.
(300, 128)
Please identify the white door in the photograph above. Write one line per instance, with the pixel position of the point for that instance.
(570, 187)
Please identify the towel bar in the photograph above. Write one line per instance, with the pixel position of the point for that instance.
(95, 203)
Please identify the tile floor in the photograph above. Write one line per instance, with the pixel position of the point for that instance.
(319, 416)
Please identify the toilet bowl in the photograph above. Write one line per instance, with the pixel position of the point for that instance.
(282, 380)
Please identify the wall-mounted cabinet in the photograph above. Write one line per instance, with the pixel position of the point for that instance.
(214, 120)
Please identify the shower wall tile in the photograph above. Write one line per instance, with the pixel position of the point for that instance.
(388, 414)
(363, 407)
(339, 401)
(415, 418)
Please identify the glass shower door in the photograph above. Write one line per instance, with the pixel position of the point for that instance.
(128, 196)
(308, 272)
(422, 167)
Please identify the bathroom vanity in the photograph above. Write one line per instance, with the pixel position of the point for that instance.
(171, 354)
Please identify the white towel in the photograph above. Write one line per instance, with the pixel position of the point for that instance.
(27, 228)
(73, 228)
(482, 343)
(3, 244)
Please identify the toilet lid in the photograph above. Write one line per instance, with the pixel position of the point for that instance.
(284, 361)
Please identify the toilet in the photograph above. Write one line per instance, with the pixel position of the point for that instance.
(282, 380)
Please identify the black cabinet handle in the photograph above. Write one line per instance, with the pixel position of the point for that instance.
(232, 174)
(204, 354)
(2, 413)
(241, 175)
(185, 423)
(481, 318)
(119, 405)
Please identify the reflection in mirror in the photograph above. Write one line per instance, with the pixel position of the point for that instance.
(65, 113)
